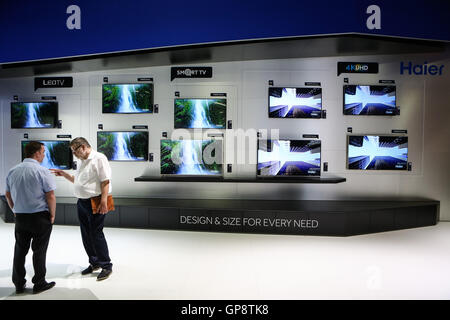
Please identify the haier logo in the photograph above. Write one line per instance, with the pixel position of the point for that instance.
(421, 69)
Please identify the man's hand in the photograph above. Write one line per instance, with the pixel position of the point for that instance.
(62, 173)
(103, 207)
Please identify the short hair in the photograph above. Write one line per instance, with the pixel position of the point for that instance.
(32, 147)
(80, 141)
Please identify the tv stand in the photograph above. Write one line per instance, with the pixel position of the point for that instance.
(308, 217)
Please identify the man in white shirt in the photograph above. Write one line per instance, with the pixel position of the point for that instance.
(92, 179)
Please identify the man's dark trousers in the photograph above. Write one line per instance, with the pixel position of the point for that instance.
(34, 229)
(94, 241)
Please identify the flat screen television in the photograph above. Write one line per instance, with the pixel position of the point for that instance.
(123, 145)
(191, 157)
(127, 98)
(57, 154)
(200, 113)
(34, 115)
(295, 102)
(284, 158)
(370, 100)
(371, 152)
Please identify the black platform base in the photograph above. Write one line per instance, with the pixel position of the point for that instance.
(326, 218)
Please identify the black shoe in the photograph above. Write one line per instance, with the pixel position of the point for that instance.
(89, 270)
(20, 290)
(43, 287)
(104, 274)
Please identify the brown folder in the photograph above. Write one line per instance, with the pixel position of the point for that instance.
(96, 201)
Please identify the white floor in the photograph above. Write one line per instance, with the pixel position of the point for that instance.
(160, 265)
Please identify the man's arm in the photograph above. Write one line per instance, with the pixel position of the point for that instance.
(51, 201)
(9, 199)
(104, 202)
(62, 173)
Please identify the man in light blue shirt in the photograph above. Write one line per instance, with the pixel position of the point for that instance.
(30, 195)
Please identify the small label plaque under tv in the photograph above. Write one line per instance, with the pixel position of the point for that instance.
(144, 79)
(140, 127)
(399, 131)
(61, 136)
(48, 98)
(387, 81)
(315, 84)
(218, 94)
(311, 136)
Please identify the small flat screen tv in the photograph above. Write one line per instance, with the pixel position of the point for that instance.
(372, 152)
(57, 154)
(295, 102)
(200, 113)
(370, 100)
(34, 115)
(123, 145)
(127, 98)
(285, 158)
(191, 157)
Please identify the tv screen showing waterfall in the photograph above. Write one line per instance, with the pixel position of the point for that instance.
(123, 145)
(128, 98)
(200, 113)
(288, 158)
(377, 152)
(191, 157)
(295, 102)
(370, 100)
(34, 115)
(57, 154)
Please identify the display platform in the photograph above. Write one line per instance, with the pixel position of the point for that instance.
(321, 179)
(311, 217)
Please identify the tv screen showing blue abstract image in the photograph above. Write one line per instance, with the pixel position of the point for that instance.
(57, 154)
(295, 102)
(128, 98)
(34, 115)
(370, 100)
(378, 152)
(123, 145)
(289, 157)
(191, 157)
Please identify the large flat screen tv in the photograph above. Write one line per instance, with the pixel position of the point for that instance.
(372, 152)
(370, 100)
(57, 154)
(200, 113)
(191, 157)
(127, 98)
(123, 145)
(282, 158)
(295, 102)
(34, 115)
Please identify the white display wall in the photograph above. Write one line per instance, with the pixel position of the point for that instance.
(423, 101)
